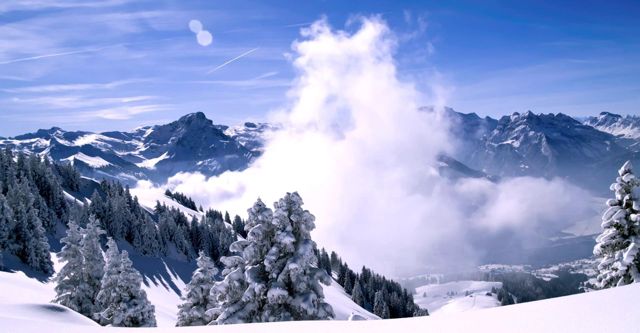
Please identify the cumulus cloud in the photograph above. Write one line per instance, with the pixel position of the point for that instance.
(365, 161)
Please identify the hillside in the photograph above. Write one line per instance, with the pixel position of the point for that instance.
(27, 296)
(601, 311)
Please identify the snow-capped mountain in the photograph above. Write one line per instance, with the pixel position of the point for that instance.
(528, 144)
(625, 127)
(542, 145)
(192, 143)
(251, 135)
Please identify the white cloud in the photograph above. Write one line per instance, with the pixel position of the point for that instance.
(35, 5)
(71, 87)
(78, 101)
(126, 111)
(364, 160)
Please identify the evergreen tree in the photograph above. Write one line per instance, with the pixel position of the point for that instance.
(324, 262)
(277, 263)
(238, 226)
(336, 263)
(145, 236)
(6, 216)
(121, 301)
(237, 301)
(294, 291)
(71, 289)
(196, 297)
(93, 259)
(357, 295)
(348, 285)
(27, 236)
(618, 246)
(380, 307)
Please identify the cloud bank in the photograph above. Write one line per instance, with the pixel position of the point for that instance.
(365, 162)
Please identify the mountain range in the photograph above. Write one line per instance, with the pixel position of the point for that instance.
(190, 144)
(584, 151)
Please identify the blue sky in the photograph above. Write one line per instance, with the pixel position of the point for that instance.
(117, 64)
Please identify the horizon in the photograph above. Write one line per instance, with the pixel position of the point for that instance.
(241, 123)
(112, 65)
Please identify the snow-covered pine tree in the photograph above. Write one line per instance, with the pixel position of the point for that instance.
(237, 300)
(231, 307)
(38, 246)
(93, 260)
(121, 301)
(294, 291)
(618, 246)
(196, 297)
(145, 236)
(356, 294)
(380, 307)
(275, 277)
(238, 226)
(348, 284)
(27, 235)
(71, 290)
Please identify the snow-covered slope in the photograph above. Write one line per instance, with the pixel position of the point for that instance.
(148, 195)
(454, 297)
(611, 310)
(342, 304)
(22, 296)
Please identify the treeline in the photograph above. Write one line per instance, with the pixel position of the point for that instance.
(524, 287)
(182, 199)
(373, 292)
(172, 233)
(32, 202)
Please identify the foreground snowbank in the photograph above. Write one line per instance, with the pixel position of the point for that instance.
(162, 284)
(610, 310)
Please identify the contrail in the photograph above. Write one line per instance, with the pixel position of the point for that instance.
(232, 60)
(51, 55)
(90, 50)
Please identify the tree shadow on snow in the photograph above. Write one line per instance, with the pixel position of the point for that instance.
(160, 271)
(13, 264)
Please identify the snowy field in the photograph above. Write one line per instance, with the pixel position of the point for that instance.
(610, 310)
(455, 297)
(29, 297)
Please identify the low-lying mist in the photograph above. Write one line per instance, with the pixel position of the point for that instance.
(365, 162)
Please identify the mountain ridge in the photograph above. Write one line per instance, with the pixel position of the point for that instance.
(520, 144)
